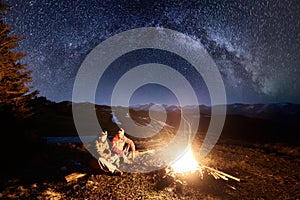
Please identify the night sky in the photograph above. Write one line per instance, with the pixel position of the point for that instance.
(255, 44)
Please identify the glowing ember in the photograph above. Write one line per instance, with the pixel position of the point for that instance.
(186, 163)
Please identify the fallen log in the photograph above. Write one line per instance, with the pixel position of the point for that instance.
(74, 176)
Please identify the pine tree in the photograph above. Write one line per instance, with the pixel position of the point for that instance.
(15, 79)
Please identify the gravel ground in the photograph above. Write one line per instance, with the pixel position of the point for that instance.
(267, 171)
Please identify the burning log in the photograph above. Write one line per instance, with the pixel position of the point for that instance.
(187, 165)
(199, 170)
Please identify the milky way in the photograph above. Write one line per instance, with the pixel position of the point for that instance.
(255, 44)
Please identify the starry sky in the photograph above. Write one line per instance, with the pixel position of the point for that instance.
(255, 44)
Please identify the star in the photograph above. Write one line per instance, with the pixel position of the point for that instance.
(255, 45)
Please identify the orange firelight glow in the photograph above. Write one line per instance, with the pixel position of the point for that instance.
(186, 163)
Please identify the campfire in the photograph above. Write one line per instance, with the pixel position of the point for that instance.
(186, 164)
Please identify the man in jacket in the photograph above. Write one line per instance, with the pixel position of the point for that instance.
(119, 141)
(107, 161)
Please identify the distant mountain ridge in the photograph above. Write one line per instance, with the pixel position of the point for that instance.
(264, 111)
(273, 111)
(242, 120)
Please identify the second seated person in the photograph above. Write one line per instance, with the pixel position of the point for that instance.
(119, 141)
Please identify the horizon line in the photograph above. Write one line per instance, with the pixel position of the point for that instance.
(141, 104)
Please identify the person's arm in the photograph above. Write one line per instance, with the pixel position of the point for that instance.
(107, 150)
(98, 147)
(103, 150)
(132, 146)
(130, 142)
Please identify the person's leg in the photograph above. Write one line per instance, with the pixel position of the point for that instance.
(115, 160)
(106, 166)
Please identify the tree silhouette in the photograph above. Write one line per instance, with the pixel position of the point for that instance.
(15, 79)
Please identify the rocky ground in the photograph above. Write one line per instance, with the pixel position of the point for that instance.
(267, 171)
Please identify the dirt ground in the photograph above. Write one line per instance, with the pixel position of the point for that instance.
(267, 171)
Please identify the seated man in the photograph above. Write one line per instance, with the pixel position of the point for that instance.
(107, 161)
(119, 141)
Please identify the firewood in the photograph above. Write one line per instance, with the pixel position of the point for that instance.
(222, 173)
(74, 176)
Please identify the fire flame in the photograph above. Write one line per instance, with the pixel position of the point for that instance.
(185, 164)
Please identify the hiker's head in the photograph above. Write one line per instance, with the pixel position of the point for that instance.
(103, 136)
(121, 132)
